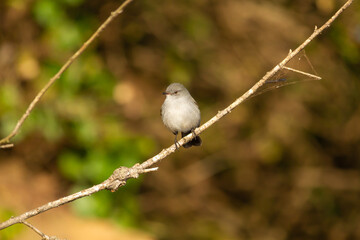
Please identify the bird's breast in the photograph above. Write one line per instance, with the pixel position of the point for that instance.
(180, 115)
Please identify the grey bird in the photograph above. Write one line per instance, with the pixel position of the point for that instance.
(180, 113)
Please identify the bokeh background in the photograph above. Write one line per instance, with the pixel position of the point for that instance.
(283, 165)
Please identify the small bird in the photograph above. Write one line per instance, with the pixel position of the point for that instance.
(180, 113)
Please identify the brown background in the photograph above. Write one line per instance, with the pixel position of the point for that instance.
(283, 165)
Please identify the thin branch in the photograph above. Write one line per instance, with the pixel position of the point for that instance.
(37, 98)
(43, 236)
(122, 174)
(303, 73)
(309, 62)
(9, 145)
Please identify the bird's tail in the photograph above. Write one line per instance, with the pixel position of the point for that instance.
(196, 141)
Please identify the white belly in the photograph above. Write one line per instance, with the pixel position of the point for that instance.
(180, 116)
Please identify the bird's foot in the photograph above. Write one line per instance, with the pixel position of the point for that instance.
(177, 145)
(193, 132)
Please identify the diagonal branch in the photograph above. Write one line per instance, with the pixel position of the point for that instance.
(114, 14)
(116, 180)
(303, 73)
(42, 235)
(122, 174)
(250, 92)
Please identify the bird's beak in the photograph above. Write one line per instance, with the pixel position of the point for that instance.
(165, 93)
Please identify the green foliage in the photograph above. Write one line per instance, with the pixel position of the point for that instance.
(9, 98)
(92, 165)
(48, 13)
(60, 31)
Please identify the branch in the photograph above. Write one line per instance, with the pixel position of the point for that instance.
(122, 174)
(114, 14)
(164, 153)
(43, 235)
(9, 145)
(303, 73)
(116, 180)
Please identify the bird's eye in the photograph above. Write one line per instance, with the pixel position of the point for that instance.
(176, 92)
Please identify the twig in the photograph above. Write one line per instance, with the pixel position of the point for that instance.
(303, 73)
(309, 62)
(43, 236)
(9, 145)
(122, 174)
(61, 71)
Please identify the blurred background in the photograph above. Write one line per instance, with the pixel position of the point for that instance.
(283, 165)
